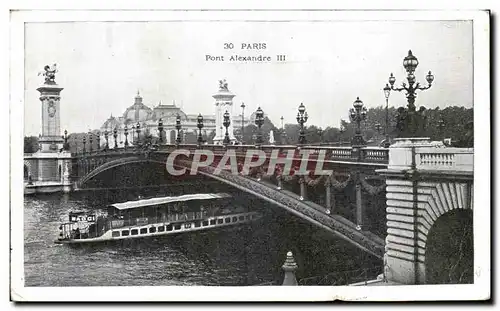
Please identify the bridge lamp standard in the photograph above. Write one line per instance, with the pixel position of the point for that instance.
(387, 93)
(357, 114)
(65, 137)
(138, 131)
(98, 137)
(125, 132)
(242, 122)
(441, 125)
(226, 124)
(412, 122)
(301, 120)
(283, 133)
(342, 130)
(106, 137)
(178, 128)
(115, 135)
(90, 141)
(259, 121)
(200, 126)
(160, 130)
(84, 143)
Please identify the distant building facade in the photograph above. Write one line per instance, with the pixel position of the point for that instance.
(141, 116)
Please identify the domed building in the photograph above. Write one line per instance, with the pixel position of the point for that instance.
(146, 119)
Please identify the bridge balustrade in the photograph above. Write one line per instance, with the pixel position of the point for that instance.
(333, 153)
(444, 159)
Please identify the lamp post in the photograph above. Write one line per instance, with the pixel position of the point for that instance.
(357, 114)
(320, 133)
(226, 124)
(106, 147)
(115, 136)
(98, 137)
(66, 145)
(200, 126)
(84, 143)
(411, 123)
(441, 124)
(160, 130)
(242, 122)
(90, 141)
(125, 132)
(283, 133)
(259, 121)
(138, 131)
(178, 128)
(302, 119)
(378, 127)
(342, 130)
(387, 92)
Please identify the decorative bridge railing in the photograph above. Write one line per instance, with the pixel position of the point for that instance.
(444, 159)
(348, 154)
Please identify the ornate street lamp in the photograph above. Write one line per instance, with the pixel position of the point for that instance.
(115, 135)
(90, 141)
(125, 132)
(98, 137)
(178, 128)
(242, 122)
(357, 114)
(283, 133)
(138, 131)
(342, 130)
(160, 130)
(106, 147)
(302, 119)
(66, 145)
(411, 122)
(226, 124)
(441, 124)
(387, 92)
(200, 126)
(84, 143)
(259, 121)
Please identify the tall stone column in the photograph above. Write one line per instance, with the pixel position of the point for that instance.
(51, 140)
(223, 102)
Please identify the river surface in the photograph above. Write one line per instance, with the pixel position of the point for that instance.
(246, 255)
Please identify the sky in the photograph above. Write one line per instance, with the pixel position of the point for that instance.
(328, 64)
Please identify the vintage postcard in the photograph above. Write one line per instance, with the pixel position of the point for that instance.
(242, 155)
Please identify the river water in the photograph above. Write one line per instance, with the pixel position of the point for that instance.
(247, 255)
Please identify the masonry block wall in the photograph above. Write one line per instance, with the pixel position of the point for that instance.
(417, 195)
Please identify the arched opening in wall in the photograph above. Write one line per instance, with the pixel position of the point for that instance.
(26, 172)
(173, 135)
(449, 255)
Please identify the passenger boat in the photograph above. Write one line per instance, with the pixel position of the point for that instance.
(154, 217)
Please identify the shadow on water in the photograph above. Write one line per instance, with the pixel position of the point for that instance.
(245, 255)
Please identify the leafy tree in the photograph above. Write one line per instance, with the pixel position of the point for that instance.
(30, 144)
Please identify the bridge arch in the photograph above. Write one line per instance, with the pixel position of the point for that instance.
(336, 225)
(444, 227)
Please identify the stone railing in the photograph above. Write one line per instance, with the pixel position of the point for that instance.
(444, 159)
